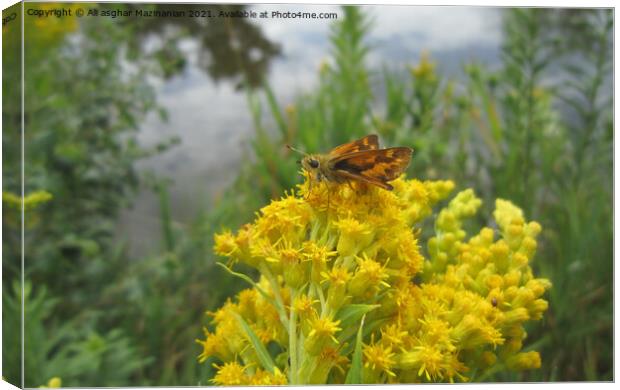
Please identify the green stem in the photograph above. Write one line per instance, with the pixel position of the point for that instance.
(276, 292)
(487, 374)
(591, 116)
(292, 340)
(321, 298)
(166, 220)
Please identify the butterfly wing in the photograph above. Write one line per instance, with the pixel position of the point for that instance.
(370, 142)
(366, 179)
(376, 167)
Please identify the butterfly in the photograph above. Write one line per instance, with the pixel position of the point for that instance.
(361, 161)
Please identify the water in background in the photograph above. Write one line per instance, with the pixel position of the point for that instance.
(213, 119)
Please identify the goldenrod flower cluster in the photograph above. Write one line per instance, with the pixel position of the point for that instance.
(53, 383)
(425, 70)
(30, 202)
(340, 262)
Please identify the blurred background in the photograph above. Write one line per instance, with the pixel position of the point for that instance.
(145, 136)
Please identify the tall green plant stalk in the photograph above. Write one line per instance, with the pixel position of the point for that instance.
(583, 220)
(165, 218)
(527, 124)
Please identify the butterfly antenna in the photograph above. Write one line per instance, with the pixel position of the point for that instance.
(295, 150)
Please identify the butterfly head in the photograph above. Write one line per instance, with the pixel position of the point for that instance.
(310, 163)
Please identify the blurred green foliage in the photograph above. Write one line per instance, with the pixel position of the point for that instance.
(81, 116)
(73, 347)
(537, 131)
(88, 88)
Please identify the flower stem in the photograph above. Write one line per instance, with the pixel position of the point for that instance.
(292, 339)
(319, 291)
(276, 292)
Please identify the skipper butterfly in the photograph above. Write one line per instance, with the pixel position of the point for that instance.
(361, 161)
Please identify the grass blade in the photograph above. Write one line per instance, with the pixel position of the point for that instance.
(261, 351)
(352, 313)
(354, 376)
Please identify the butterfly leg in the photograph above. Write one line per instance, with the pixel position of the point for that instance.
(310, 180)
(328, 192)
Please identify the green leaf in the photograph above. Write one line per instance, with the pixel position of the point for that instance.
(249, 280)
(354, 376)
(351, 314)
(368, 330)
(261, 351)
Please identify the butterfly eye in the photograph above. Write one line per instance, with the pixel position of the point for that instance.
(313, 163)
(298, 161)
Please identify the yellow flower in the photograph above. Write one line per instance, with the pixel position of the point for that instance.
(436, 331)
(296, 266)
(378, 359)
(31, 201)
(425, 70)
(438, 190)
(408, 254)
(427, 361)
(230, 374)
(524, 361)
(264, 378)
(284, 219)
(326, 360)
(354, 236)
(208, 346)
(304, 306)
(334, 253)
(338, 277)
(247, 304)
(53, 383)
(321, 335)
(319, 255)
(392, 336)
(368, 278)
(225, 244)
(488, 359)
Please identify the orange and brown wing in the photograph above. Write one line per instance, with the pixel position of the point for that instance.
(370, 142)
(358, 177)
(373, 166)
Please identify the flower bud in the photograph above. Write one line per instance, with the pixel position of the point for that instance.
(354, 236)
(524, 361)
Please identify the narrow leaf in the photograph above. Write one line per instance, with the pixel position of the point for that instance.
(351, 314)
(368, 330)
(354, 376)
(249, 280)
(261, 351)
